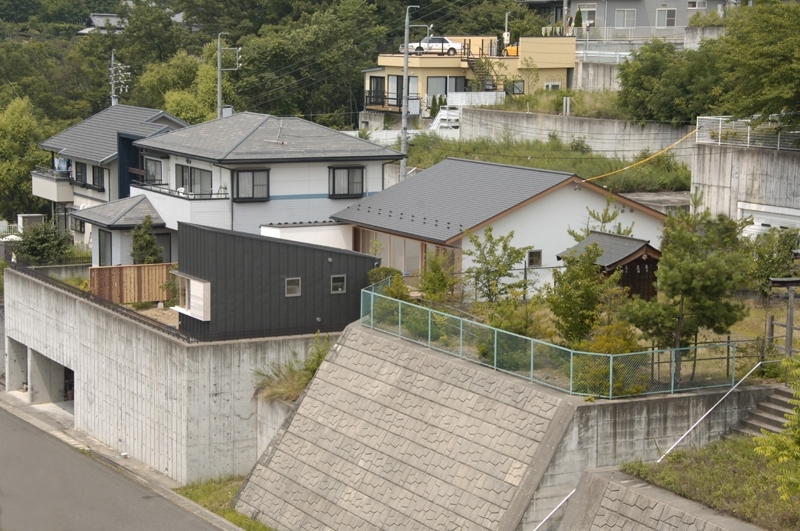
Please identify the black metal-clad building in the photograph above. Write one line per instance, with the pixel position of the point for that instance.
(234, 285)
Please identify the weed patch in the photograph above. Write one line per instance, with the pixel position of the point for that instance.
(217, 496)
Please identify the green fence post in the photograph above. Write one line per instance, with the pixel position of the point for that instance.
(429, 328)
(495, 348)
(733, 369)
(531, 359)
(571, 366)
(461, 337)
(399, 319)
(672, 372)
(372, 309)
(610, 376)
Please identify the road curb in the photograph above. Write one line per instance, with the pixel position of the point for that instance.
(182, 502)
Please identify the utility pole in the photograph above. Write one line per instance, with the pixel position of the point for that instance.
(118, 74)
(404, 110)
(220, 49)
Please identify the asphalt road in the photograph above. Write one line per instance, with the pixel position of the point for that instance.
(46, 485)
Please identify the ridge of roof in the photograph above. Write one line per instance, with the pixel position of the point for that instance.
(245, 136)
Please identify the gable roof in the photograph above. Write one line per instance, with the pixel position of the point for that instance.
(121, 214)
(253, 137)
(617, 249)
(95, 139)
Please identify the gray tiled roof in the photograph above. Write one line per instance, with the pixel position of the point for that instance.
(449, 198)
(248, 137)
(614, 247)
(95, 139)
(121, 214)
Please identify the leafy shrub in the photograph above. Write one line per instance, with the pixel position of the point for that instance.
(382, 273)
(590, 375)
(415, 320)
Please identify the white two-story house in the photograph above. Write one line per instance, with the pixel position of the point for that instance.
(90, 161)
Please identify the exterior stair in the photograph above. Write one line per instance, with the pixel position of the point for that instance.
(769, 415)
(482, 73)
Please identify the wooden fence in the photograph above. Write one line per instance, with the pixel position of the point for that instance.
(130, 283)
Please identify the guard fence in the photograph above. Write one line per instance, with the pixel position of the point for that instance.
(575, 372)
(725, 131)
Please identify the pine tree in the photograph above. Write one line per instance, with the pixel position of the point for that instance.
(145, 247)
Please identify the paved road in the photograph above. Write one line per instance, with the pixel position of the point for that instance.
(47, 485)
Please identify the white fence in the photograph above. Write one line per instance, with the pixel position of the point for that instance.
(475, 99)
(724, 131)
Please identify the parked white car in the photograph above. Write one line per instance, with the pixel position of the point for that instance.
(440, 45)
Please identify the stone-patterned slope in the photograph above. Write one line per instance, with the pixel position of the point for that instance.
(390, 435)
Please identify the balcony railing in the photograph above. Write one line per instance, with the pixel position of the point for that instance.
(375, 98)
(140, 177)
(44, 171)
(180, 192)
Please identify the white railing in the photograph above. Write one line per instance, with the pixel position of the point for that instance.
(474, 99)
(644, 33)
(724, 131)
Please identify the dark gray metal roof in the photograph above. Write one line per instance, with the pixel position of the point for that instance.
(95, 139)
(121, 214)
(446, 199)
(252, 137)
(615, 247)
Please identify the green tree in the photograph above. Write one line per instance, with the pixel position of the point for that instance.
(772, 257)
(177, 74)
(783, 449)
(43, 244)
(641, 76)
(20, 132)
(150, 35)
(145, 246)
(602, 220)
(437, 279)
(494, 260)
(577, 292)
(703, 261)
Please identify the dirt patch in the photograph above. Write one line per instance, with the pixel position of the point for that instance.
(162, 315)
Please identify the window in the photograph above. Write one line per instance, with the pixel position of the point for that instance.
(104, 247)
(516, 87)
(338, 284)
(152, 171)
(194, 297)
(346, 182)
(377, 90)
(99, 176)
(436, 85)
(193, 180)
(292, 288)
(552, 83)
(456, 84)
(534, 259)
(184, 293)
(80, 172)
(588, 13)
(697, 4)
(625, 18)
(251, 185)
(665, 18)
(77, 225)
(165, 241)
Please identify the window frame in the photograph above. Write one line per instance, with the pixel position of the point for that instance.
(193, 174)
(80, 172)
(160, 178)
(698, 4)
(666, 11)
(100, 247)
(77, 225)
(286, 292)
(533, 253)
(552, 84)
(236, 185)
(343, 278)
(100, 186)
(516, 87)
(332, 193)
(585, 9)
(624, 18)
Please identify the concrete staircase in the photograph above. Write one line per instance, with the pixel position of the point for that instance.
(770, 414)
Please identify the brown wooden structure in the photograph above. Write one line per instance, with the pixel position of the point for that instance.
(127, 284)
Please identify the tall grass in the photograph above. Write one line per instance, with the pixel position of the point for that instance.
(600, 104)
(217, 496)
(287, 381)
(661, 173)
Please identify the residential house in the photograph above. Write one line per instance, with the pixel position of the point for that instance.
(90, 161)
(257, 173)
(437, 207)
(112, 223)
(234, 285)
(480, 65)
(637, 259)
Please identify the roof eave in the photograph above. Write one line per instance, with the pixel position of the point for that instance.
(390, 231)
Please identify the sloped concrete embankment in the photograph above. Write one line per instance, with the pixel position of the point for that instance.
(390, 435)
(607, 500)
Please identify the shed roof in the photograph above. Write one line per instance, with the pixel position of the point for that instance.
(443, 201)
(616, 248)
(121, 214)
(95, 139)
(252, 137)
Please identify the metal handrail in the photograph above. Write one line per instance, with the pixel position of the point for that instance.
(732, 389)
(554, 510)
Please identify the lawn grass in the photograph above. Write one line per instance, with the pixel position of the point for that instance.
(216, 495)
(728, 476)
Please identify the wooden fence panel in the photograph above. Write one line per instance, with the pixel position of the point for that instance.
(130, 283)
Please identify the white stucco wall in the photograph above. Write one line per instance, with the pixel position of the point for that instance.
(543, 225)
(339, 236)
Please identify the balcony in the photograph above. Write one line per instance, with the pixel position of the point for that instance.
(377, 100)
(211, 209)
(53, 185)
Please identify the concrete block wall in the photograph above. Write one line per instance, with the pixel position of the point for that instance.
(185, 409)
(614, 138)
(607, 433)
(594, 77)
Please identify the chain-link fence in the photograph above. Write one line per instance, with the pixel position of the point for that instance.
(581, 373)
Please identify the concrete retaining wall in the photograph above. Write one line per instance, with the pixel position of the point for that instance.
(64, 271)
(607, 433)
(693, 36)
(594, 77)
(614, 138)
(187, 410)
(729, 174)
(608, 500)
